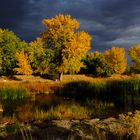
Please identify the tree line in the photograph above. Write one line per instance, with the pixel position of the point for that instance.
(62, 48)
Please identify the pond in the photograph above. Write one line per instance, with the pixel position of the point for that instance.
(43, 106)
(75, 100)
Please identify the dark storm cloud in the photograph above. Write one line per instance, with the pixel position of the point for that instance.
(108, 21)
(12, 13)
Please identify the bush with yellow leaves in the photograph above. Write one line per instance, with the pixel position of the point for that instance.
(131, 124)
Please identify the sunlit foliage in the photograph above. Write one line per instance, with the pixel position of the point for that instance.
(131, 124)
(116, 59)
(134, 54)
(9, 45)
(67, 45)
(37, 56)
(23, 64)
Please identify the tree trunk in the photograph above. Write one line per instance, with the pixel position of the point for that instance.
(61, 76)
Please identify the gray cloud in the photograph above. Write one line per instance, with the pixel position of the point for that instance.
(109, 22)
(12, 13)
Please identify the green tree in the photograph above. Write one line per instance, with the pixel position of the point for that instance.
(67, 45)
(96, 64)
(40, 57)
(90, 62)
(9, 45)
(134, 54)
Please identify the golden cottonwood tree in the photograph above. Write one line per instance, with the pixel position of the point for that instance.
(23, 64)
(134, 54)
(73, 52)
(116, 59)
(68, 46)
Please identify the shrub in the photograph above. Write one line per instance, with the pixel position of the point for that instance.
(131, 124)
(96, 64)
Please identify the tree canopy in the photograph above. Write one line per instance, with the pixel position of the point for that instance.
(61, 48)
(67, 44)
(134, 53)
(96, 64)
(116, 59)
(9, 45)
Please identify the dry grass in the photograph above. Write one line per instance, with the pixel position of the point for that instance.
(31, 83)
(37, 84)
(62, 111)
(66, 78)
(69, 78)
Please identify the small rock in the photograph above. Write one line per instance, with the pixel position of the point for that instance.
(93, 121)
(62, 123)
(108, 120)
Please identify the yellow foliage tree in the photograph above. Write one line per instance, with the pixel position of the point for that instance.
(116, 59)
(23, 64)
(134, 53)
(74, 51)
(69, 46)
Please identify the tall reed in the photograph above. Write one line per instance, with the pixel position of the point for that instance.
(11, 98)
(122, 92)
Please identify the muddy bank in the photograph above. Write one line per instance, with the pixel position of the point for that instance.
(94, 129)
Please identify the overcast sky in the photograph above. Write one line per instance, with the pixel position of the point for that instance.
(109, 22)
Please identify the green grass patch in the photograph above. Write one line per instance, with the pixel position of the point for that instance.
(12, 97)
